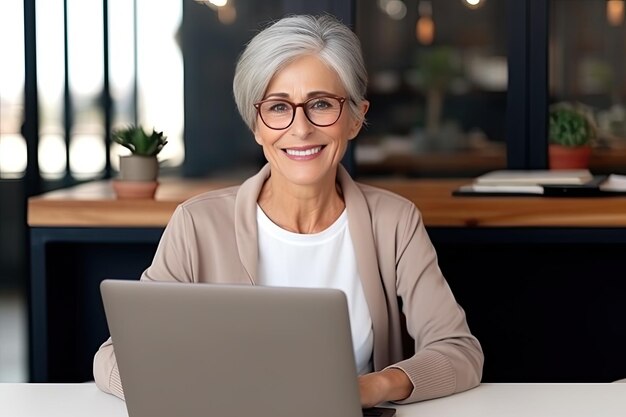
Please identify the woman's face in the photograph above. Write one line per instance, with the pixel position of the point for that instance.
(303, 153)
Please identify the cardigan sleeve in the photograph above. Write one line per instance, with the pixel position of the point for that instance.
(448, 358)
(105, 371)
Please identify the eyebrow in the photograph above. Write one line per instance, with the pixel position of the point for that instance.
(311, 94)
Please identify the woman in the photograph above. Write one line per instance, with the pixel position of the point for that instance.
(302, 221)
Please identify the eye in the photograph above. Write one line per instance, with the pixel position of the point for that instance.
(322, 103)
(277, 107)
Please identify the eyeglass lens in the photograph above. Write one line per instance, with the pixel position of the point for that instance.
(321, 111)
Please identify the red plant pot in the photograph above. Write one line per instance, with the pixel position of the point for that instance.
(563, 157)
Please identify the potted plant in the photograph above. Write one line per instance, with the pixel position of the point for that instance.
(437, 67)
(571, 133)
(139, 170)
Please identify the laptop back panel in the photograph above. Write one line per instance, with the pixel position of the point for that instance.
(214, 350)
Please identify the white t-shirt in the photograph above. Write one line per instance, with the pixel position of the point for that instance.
(319, 260)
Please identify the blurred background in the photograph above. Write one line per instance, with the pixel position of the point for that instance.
(457, 88)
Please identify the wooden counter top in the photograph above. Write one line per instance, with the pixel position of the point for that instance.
(94, 205)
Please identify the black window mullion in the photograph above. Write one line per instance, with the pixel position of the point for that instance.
(30, 127)
(517, 92)
(538, 85)
(106, 93)
(67, 100)
(527, 96)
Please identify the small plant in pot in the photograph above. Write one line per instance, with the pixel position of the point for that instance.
(571, 133)
(139, 170)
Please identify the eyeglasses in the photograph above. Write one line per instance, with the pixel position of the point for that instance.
(279, 114)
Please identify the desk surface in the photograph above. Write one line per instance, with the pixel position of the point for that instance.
(94, 205)
(488, 400)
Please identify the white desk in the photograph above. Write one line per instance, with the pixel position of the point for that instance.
(488, 400)
(58, 400)
(527, 400)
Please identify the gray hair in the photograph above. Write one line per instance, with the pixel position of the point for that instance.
(288, 39)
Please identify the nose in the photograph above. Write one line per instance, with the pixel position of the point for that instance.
(301, 125)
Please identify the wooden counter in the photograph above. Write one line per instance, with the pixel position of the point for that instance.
(94, 205)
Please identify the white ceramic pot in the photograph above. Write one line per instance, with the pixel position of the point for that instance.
(138, 168)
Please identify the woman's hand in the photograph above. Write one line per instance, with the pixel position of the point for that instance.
(387, 385)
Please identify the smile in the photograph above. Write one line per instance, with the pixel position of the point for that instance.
(304, 152)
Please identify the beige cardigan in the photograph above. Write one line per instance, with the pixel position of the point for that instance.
(213, 238)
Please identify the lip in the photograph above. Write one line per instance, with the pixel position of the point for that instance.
(304, 153)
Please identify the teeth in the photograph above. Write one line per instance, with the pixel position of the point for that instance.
(308, 152)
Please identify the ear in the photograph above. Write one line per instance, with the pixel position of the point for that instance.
(357, 123)
(257, 136)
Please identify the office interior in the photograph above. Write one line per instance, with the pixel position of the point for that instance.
(458, 88)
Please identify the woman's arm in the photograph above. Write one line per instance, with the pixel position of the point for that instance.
(448, 358)
(105, 371)
(387, 385)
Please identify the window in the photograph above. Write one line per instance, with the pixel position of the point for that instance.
(438, 87)
(588, 65)
(100, 65)
(12, 144)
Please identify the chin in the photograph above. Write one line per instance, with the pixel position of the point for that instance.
(305, 180)
(306, 173)
(307, 177)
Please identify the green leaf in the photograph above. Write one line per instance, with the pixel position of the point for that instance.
(138, 141)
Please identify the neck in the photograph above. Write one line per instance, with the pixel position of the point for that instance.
(301, 209)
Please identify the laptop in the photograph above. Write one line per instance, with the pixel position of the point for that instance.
(226, 350)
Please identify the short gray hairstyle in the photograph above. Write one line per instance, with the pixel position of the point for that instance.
(288, 39)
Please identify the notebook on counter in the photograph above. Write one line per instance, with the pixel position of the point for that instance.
(217, 350)
(535, 177)
(548, 183)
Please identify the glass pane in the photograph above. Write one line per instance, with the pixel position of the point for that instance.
(87, 154)
(121, 70)
(12, 144)
(121, 61)
(12, 155)
(86, 80)
(52, 158)
(50, 82)
(587, 66)
(159, 58)
(438, 83)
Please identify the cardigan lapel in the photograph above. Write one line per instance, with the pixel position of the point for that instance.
(246, 231)
(360, 225)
